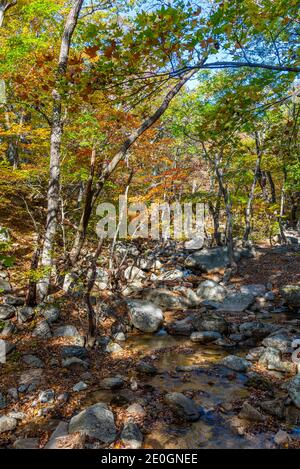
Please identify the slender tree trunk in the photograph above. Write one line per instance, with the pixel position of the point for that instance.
(55, 146)
(248, 210)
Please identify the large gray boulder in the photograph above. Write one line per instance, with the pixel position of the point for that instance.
(236, 363)
(203, 323)
(7, 423)
(255, 289)
(166, 299)
(66, 331)
(208, 260)
(42, 330)
(279, 341)
(237, 302)
(96, 422)
(205, 337)
(210, 290)
(6, 312)
(144, 315)
(294, 390)
(183, 406)
(291, 294)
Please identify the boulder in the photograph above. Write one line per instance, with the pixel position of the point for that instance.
(144, 315)
(166, 299)
(205, 337)
(80, 386)
(131, 435)
(33, 361)
(291, 294)
(183, 406)
(294, 390)
(26, 443)
(51, 314)
(248, 412)
(6, 311)
(5, 286)
(208, 260)
(115, 382)
(133, 273)
(96, 422)
(255, 289)
(237, 302)
(42, 330)
(13, 300)
(74, 351)
(65, 331)
(236, 363)
(279, 341)
(217, 324)
(210, 290)
(25, 314)
(7, 423)
(146, 368)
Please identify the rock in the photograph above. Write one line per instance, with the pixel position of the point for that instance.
(3, 402)
(255, 353)
(183, 406)
(113, 347)
(17, 415)
(6, 347)
(135, 410)
(4, 235)
(6, 312)
(279, 341)
(237, 302)
(5, 286)
(8, 329)
(210, 324)
(294, 390)
(81, 386)
(236, 363)
(25, 314)
(51, 314)
(274, 407)
(175, 274)
(258, 381)
(248, 412)
(165, 298)
(144, 315)
(13, 300)
(26, 443)
(115, 382)
(183, 327)
(146, 368)
(74, 362)
(7, 424)
(96, 422)
(195, 243)
(46, 396)
(270, 296)
(131, 436)
(120, 336)
(291, 294)
(133, 273)
(255, 289)
(33, 361)
(209, 260)
(256, 329)
(30, 379)
(102, 279)
(59, 433)
(74, 351)
(13, 393)
(205, 337)
(42, 330)
(270, 356)
(210, 290)
(65, 331)
(282, 438)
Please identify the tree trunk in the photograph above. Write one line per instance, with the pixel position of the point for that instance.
(55, 145)
(248, 210)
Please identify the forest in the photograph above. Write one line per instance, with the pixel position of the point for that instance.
(149, 224)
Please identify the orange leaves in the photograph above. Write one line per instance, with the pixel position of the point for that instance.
(91, 52)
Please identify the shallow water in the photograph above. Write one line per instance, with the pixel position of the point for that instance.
(207, 381)
(210, 385)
